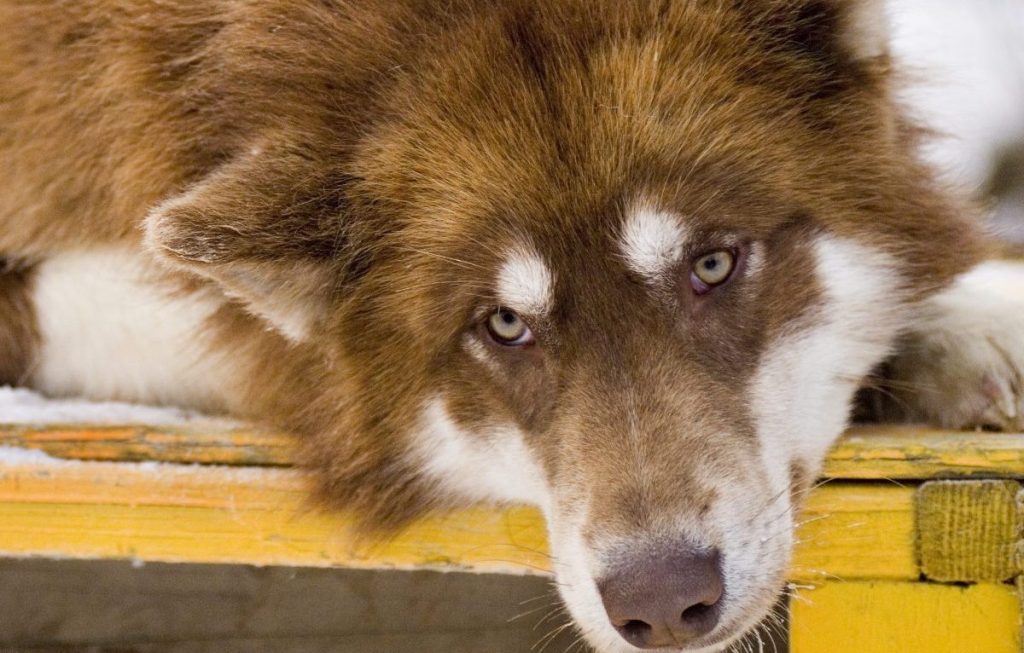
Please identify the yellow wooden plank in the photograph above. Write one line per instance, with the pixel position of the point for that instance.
(259, 516)
(176, 513)
(856, 530)
(893, 617)
(876, 452)
(914, 452)
(211, 443)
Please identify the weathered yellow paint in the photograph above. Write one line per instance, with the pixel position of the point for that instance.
(176, 513)
(967, 531)
(259, 516)
(213, 444)
(893, 617)
(870, 453)
(914, 452)
(854, 530)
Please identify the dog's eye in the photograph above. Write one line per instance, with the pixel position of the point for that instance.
(506, 328)
(712, 270)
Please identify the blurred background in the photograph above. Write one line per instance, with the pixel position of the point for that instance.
(966, 60)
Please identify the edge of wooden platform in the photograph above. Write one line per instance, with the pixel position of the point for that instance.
(865, 453)
(248, 515)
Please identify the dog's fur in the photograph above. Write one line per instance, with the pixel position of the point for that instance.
(303, 212)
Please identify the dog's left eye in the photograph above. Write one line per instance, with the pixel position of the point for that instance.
(712, 270)
(506, 328)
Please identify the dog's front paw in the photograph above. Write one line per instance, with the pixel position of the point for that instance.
(963, 365)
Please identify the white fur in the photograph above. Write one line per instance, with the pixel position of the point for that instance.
(489, 466)
(969, 55)
(575, 570)
(110, 330)
(756, 259)
(289, 298)
(997, 282)
(802, 391)
(652, 242)
(525, 282)
(966, 354)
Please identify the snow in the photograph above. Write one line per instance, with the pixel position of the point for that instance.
(227, 475)
(21, 406)
(11, 456)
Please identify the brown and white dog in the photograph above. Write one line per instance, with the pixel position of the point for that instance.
(629, 261)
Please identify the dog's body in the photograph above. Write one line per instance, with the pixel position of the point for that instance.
(627, 261)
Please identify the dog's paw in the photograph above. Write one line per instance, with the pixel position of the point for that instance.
(963, 364)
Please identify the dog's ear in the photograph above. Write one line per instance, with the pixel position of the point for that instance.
(268, 228)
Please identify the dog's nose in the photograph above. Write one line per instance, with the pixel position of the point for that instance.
(666, 598)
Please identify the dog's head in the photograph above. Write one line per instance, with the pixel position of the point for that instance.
(629, 261)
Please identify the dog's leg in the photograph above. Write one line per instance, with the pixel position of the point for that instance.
(963, 363)
(18, 338)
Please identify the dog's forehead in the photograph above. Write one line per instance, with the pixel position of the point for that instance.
(595, 263)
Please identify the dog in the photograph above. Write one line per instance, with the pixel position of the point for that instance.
(627, 261)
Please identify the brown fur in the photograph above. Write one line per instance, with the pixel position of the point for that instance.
(18, 335)
(351, 159)
(351, 173)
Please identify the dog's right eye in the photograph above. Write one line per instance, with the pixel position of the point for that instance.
(506, 328)
(712, 270)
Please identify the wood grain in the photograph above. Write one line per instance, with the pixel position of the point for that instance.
(865, 453)
(206, 513)
(888, 617)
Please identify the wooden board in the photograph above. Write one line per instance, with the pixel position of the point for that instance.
(914, 452)
(869, 453)
(211, 444)
(179, 513)
(968, 531)
(854, 530)
(892, 617)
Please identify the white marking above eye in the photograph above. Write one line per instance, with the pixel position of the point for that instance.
(525, 282)
(652, 242)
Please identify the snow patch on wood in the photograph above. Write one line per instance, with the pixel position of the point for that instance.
(21, 406)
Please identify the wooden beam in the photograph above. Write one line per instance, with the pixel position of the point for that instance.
(893, 617)
(865, 453)
(176, 513)
(211, 444)
(913, 452)
(179, 513)
(853, 531)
